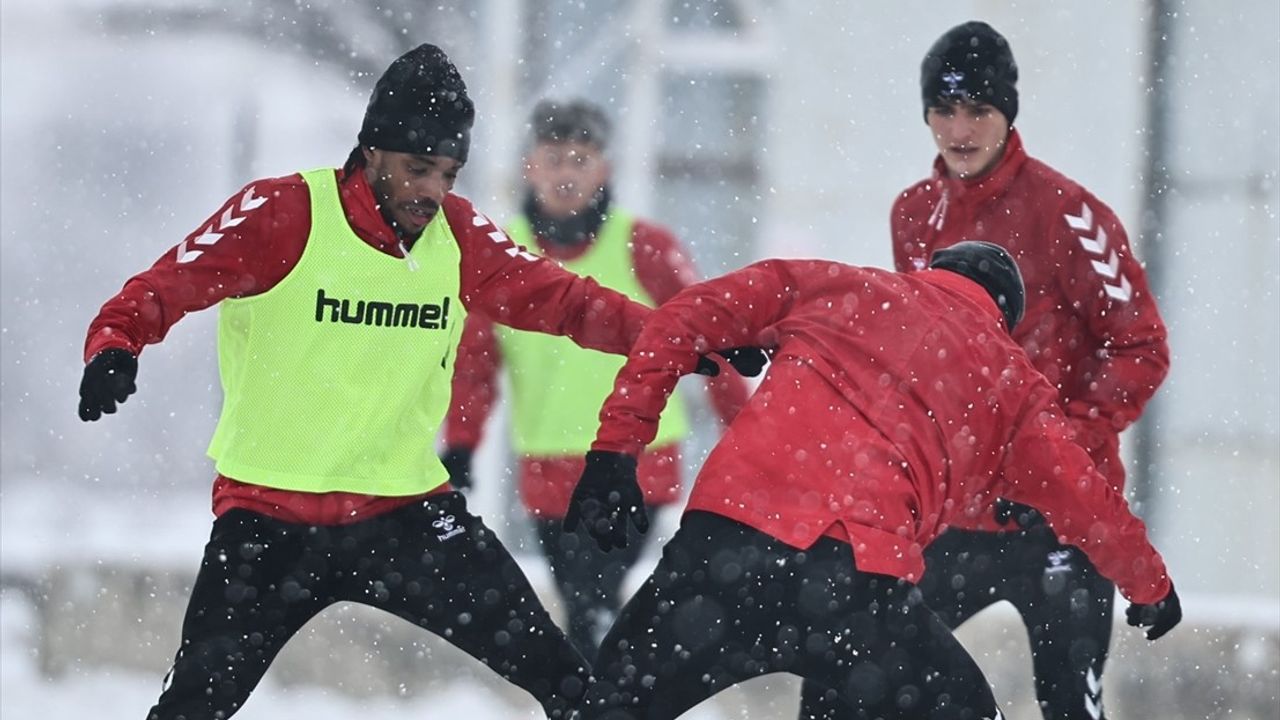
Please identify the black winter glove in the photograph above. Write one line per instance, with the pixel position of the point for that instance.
(108, 379)
(606, 495)
(1160, 617)
(1026, 516)
(457, 460)
(748, 361)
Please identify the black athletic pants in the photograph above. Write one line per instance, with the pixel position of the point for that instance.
(727, 603)
(1064, 602)
(433, 564)
(589, 581)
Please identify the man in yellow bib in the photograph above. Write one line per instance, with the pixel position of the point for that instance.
(556, 388)
(342, 295)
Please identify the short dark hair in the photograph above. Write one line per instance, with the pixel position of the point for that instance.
(573, 120)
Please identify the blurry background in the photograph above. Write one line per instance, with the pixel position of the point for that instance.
(753, 128)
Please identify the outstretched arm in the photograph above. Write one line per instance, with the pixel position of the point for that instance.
(1046, 469)
(664, 269)
(727, 312)
(228, 255)
(516, 288)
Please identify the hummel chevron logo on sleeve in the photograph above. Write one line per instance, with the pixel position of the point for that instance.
(499, 237)
(1105, 262)
(1093, 696)
(229, 219)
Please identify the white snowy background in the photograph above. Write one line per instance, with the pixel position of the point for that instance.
(754, 128)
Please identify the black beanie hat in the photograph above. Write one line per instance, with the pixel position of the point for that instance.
(570, 121)
(971, 62)
(420, 106)
(990, 266)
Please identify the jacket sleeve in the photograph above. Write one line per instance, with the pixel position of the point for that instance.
(664, 269)
(243, 249)
(518, 289)
(906, 250)
(475, 383)
(729, 311)
(1045, 469)
(1109, 290)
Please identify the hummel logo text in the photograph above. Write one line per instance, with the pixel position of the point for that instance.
(427, 316)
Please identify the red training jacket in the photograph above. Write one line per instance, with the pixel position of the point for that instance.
(254, 240)
(896, 405)
(546, 482)
(1091, 323)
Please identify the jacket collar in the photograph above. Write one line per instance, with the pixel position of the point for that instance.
(362, 212)
(965, 287)
(994, 183)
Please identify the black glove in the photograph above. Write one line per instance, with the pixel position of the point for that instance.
(108, 379)
(1026, 516)
(457, 460)
(606, 495)
(1160, 617)
(748, 361)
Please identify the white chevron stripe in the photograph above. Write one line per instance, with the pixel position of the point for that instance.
(1097, 247)
(1093, 708)
(497, 236)
(208, 237)
(515, 251)
(1083, 221)
(1108, 269)
(479, 220)
(1121, 292)
(248, 202)
(1095, 684)
(228, 220)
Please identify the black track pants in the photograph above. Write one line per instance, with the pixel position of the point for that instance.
(589, 581)
(1064, 602)
(728, 603)
(433, 564)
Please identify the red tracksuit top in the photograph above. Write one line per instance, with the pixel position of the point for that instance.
(1091, 323)
(258, 236)
(663, 268)
(896, 404)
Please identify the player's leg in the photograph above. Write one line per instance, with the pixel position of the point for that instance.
(719, 608)
(890, 657)
(964, 573)
(589, 580)
(1068, 613)
(438, 566)
(259, 582)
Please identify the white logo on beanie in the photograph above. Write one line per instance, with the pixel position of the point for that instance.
(953, 80)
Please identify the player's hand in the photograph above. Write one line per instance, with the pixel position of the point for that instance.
(108, 379)
(748, 361)
(1026, 516)
(457, 460)
(1159, 618)
(607, 495)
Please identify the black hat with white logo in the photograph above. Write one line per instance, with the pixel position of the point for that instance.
(971, 63)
